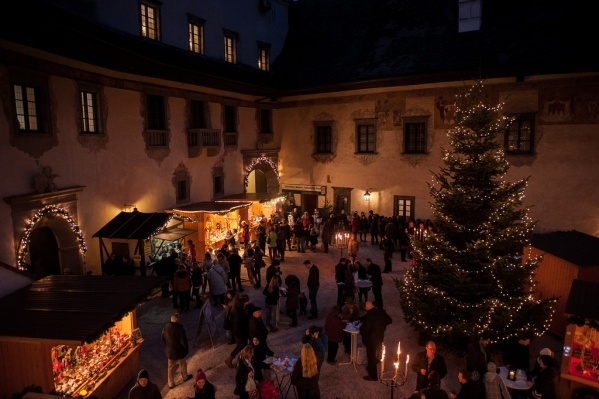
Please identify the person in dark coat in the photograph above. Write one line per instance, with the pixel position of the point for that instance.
(433, 390)
(372, 330)
(374, 275)
(245, 369)
(293, 278)
(292, 303)
(203, 389)
(235, 262)
(478, 355)
(306, 374)
(261, 351)
(333, 326)
(427, 361)
(328, 229)
(313, 286)
(144, 388)
(257, 328)
(470, 389)
(177, 347)
(240, 319)
(544, 386)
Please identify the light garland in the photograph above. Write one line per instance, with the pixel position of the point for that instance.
(255, 163)
(50, 210)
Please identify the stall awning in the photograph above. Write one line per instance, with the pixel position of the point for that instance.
(582, 301)
(134, 225)
(73, 307)
(173, 234)
(260, 197)
(221, 207)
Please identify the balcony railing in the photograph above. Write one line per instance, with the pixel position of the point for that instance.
(156, 138)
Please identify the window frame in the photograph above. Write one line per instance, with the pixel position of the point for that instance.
(371, 135)
(263, 56)
(198, 23)
(516, 127)
(145, 28)
(318, 126)
(28, 111)
(265, 121)
(156, 120)
(97, 110)
(400, 211)
(230, 46)
(409, 144)
(218, 189)
(182, 184)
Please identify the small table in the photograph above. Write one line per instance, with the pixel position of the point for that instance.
(282, 367)
(364, 284)
(521, 382)
(353, 328)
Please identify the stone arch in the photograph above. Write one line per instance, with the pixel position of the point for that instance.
(70, 245)
(266, 165)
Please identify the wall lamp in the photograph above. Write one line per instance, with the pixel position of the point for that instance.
(367, 195)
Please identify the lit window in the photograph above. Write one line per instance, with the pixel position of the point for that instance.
(365, 138)
(149, 21)
(196, 35)
(230, 47)
(27, 108)
(89, 106)
(263, 56)
(519, 137)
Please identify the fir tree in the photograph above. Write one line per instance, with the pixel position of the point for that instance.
(469, 275)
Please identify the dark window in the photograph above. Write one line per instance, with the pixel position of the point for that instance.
(197, 115)
(89, 112)
(28, 108)
(149, 21)
(366, 138)
(181, 190)
(230, 119)
(415, 137)
(265, 121)
(519, 137)
(218, 181)
(324, 139)
(156, 116)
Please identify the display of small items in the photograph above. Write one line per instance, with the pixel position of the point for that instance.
(77, 371)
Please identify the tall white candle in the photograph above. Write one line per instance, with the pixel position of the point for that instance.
(407, 360)
(383, 361)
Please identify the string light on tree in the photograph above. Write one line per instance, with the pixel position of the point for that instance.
(470, 275)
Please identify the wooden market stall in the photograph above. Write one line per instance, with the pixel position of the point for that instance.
(213, 220)
(73, 335)
(580, 362)
(567, 255)
(262, 205)
(148, 233)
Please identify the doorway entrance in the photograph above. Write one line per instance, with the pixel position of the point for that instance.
(43, 252)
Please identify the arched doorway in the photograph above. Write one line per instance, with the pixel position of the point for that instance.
(257, 182)
(43, 252)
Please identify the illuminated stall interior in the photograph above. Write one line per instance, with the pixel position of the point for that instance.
(73, 335)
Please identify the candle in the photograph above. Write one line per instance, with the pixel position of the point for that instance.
(383, 361)
(398, 350)
(396, 364)
(407, 360)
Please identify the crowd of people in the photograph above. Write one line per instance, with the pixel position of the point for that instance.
(247, 323)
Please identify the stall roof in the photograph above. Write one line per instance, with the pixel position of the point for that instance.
(173, 234)
(583, 298)
(73, 307)
(261, 197)
(134, 225)
(572, 246)
(212, 206)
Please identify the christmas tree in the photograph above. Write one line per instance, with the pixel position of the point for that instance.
(469, 275)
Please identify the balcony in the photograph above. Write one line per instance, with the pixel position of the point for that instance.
(203, 138)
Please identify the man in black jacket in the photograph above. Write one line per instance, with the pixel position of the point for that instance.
(374, 324)
(177, 347)
(427, 361)
(313, 286)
